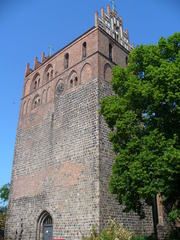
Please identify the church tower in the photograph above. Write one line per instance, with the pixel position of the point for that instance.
(63, 158)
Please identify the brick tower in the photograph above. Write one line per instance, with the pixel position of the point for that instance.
(63, 158)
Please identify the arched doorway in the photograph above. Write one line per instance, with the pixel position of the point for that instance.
(45, 227)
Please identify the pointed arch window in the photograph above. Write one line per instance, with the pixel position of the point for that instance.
(73, 79)
(36, 102)
(126, 60)
(71, 83)
(51, 73)
(35, 82)
(38, 82)
(84, 50)
(48, 76)
(47, 220)
(48, 73)
(110, 52)
(66, 60)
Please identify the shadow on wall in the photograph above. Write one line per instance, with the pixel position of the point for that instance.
(1, 234)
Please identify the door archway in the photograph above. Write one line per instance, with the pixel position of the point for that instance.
(45, 227)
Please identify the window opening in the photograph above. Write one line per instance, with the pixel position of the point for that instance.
(48, 76)
(84, 50)
(35, 84)
(75, 81)
(66, 61)
(126, 60)
(110, 52)
(37, 102)
(51, 74)
(71, 83)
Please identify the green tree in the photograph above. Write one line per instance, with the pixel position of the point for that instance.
(4, 194)
(143, 116)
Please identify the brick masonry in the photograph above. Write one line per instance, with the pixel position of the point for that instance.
(63, 158)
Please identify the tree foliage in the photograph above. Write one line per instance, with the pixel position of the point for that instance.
(4, 194)
(143, 116)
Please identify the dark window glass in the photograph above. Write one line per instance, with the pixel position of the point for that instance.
(126, 60)
(84, 50)
(66, 61)
(110, 52)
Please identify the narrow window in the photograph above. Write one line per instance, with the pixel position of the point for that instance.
(66, 61)
(76, 81)
(110, 52)
(84, 50)
(126, 60)
(35, 84)
(38, 82)
(48, 76)
(48, 73)
(71, 83)
(116, 37)
(51, 74)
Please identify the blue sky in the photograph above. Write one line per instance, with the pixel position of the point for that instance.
(28, 27)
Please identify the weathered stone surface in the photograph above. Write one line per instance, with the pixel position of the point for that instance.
(63, 158)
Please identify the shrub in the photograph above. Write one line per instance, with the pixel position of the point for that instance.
(93, 235)
(143, 238)
(113, 231)
(2, 220)
(174, 235)
(139, 238)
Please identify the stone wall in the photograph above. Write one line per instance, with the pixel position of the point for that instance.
(58, 172)
(63, 158)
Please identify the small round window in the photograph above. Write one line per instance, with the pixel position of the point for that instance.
(59, 88)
